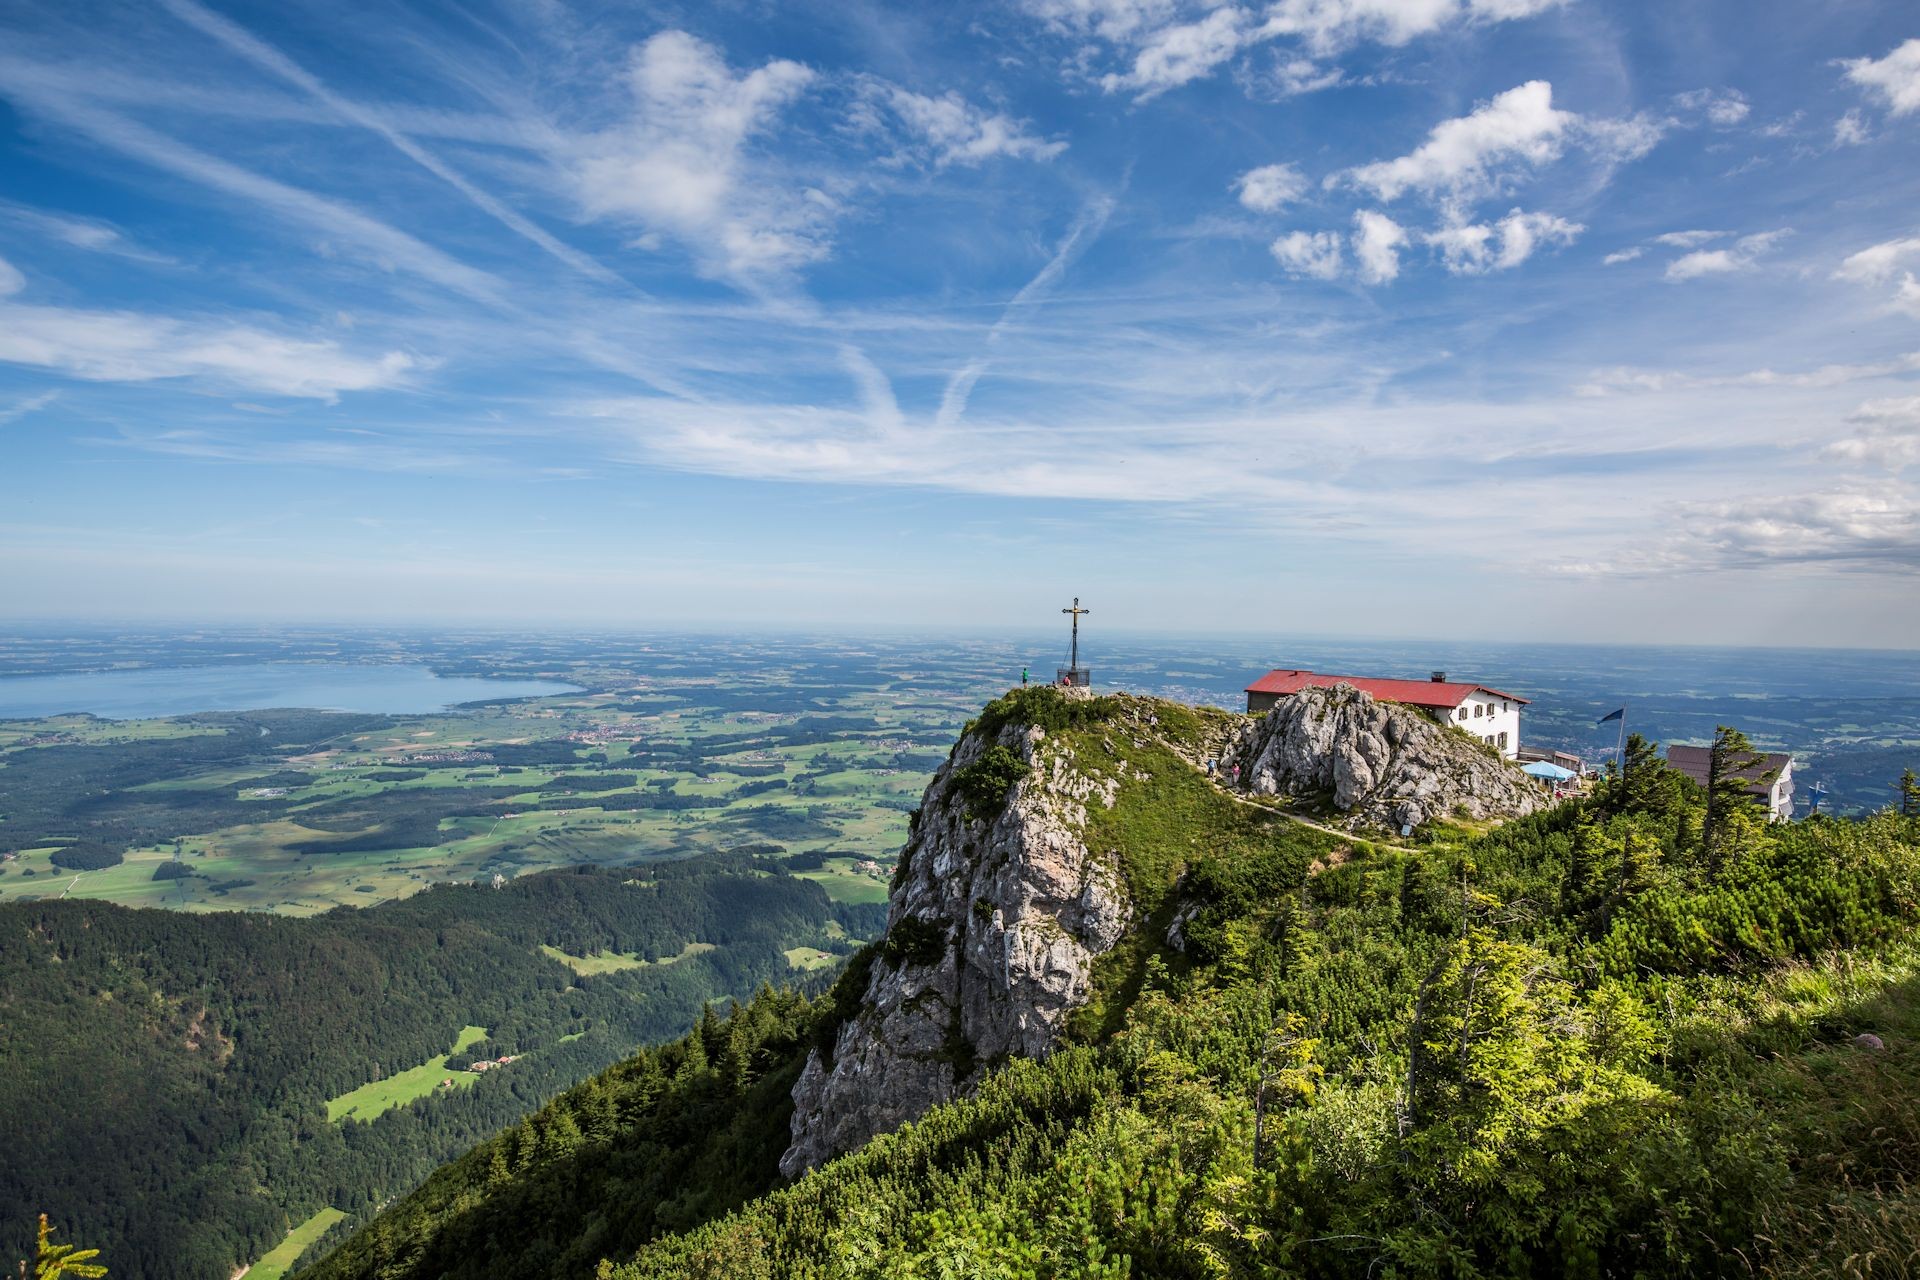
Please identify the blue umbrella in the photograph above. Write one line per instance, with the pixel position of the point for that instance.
(1547, 770)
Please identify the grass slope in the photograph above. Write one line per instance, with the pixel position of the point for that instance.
(280, 1259)
(402, 1087)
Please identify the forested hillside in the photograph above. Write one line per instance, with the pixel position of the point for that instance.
(1635, 1035)
(166, 1082)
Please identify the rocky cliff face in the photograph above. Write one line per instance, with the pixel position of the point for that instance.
(1379, 762)
(995, 920)
(1001, 908)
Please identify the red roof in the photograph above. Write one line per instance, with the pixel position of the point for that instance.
(1415, 693)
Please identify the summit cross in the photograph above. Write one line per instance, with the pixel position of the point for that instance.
(1073, 658)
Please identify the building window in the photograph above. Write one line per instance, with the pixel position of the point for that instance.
(1503, 742)
(1463, 713)
(1478, 711)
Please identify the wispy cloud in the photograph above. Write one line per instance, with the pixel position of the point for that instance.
(124, 346)
(947, 129)
(91, 234)
(1622, 379)
(1086, 228)
(32, 404)
(384, 245)
(263, 55)
(1743, 255)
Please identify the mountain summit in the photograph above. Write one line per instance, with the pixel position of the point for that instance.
(1136, 1016)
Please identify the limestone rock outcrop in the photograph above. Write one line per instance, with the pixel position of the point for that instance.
(1379, 763)
(993, 926)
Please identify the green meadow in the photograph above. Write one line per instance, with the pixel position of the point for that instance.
(281, 1258)
(615, 961)
(370, 1099)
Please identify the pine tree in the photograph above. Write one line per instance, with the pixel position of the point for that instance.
(54, 1260)
(1909, 794)
(1731, 776)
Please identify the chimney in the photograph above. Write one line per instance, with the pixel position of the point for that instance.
(1439, 677)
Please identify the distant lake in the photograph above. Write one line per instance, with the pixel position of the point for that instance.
(322, 686)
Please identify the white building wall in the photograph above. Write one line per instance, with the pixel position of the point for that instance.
(1488, 717)
(1780, 798)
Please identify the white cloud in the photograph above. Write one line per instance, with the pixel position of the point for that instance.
(1885, 263)
(1316, 255)
(1889, 434)
(1722, 107)
(1876, 527)
(1169, 43)
(1175, 55)
(1330, 25)
(1377, 240)
(1270, 187)
(678, 165)
(1689, 239)
(1711, 262)
(127, 346)
(1619, 256)
(1906, 298)
(1878, 263)
(1297, 76)
(954, 131)
(11, 281)
(1850, 130)
(1476, 248)
(1519, 126)
(1873, 530)
(1894, 79)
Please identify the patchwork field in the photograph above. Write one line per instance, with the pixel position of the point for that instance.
(302, 812)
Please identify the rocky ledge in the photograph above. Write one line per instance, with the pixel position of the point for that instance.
(1378, 763)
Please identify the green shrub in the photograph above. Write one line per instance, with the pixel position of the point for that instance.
(985, 783)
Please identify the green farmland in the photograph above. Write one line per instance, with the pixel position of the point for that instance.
(298, 813)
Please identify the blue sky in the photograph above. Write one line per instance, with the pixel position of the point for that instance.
(1457, 318)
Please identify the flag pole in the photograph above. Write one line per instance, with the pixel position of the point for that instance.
(1620, 751)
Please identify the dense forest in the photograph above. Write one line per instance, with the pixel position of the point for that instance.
(167, 1075)
(1644, 1033)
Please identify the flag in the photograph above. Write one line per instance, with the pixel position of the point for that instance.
(1618, 715)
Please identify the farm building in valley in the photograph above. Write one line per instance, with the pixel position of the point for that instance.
(1769, 779)
(1485, 713)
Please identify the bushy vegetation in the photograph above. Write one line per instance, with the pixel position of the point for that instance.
(984, 785)
(1585, 1044)
(169, 1074)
